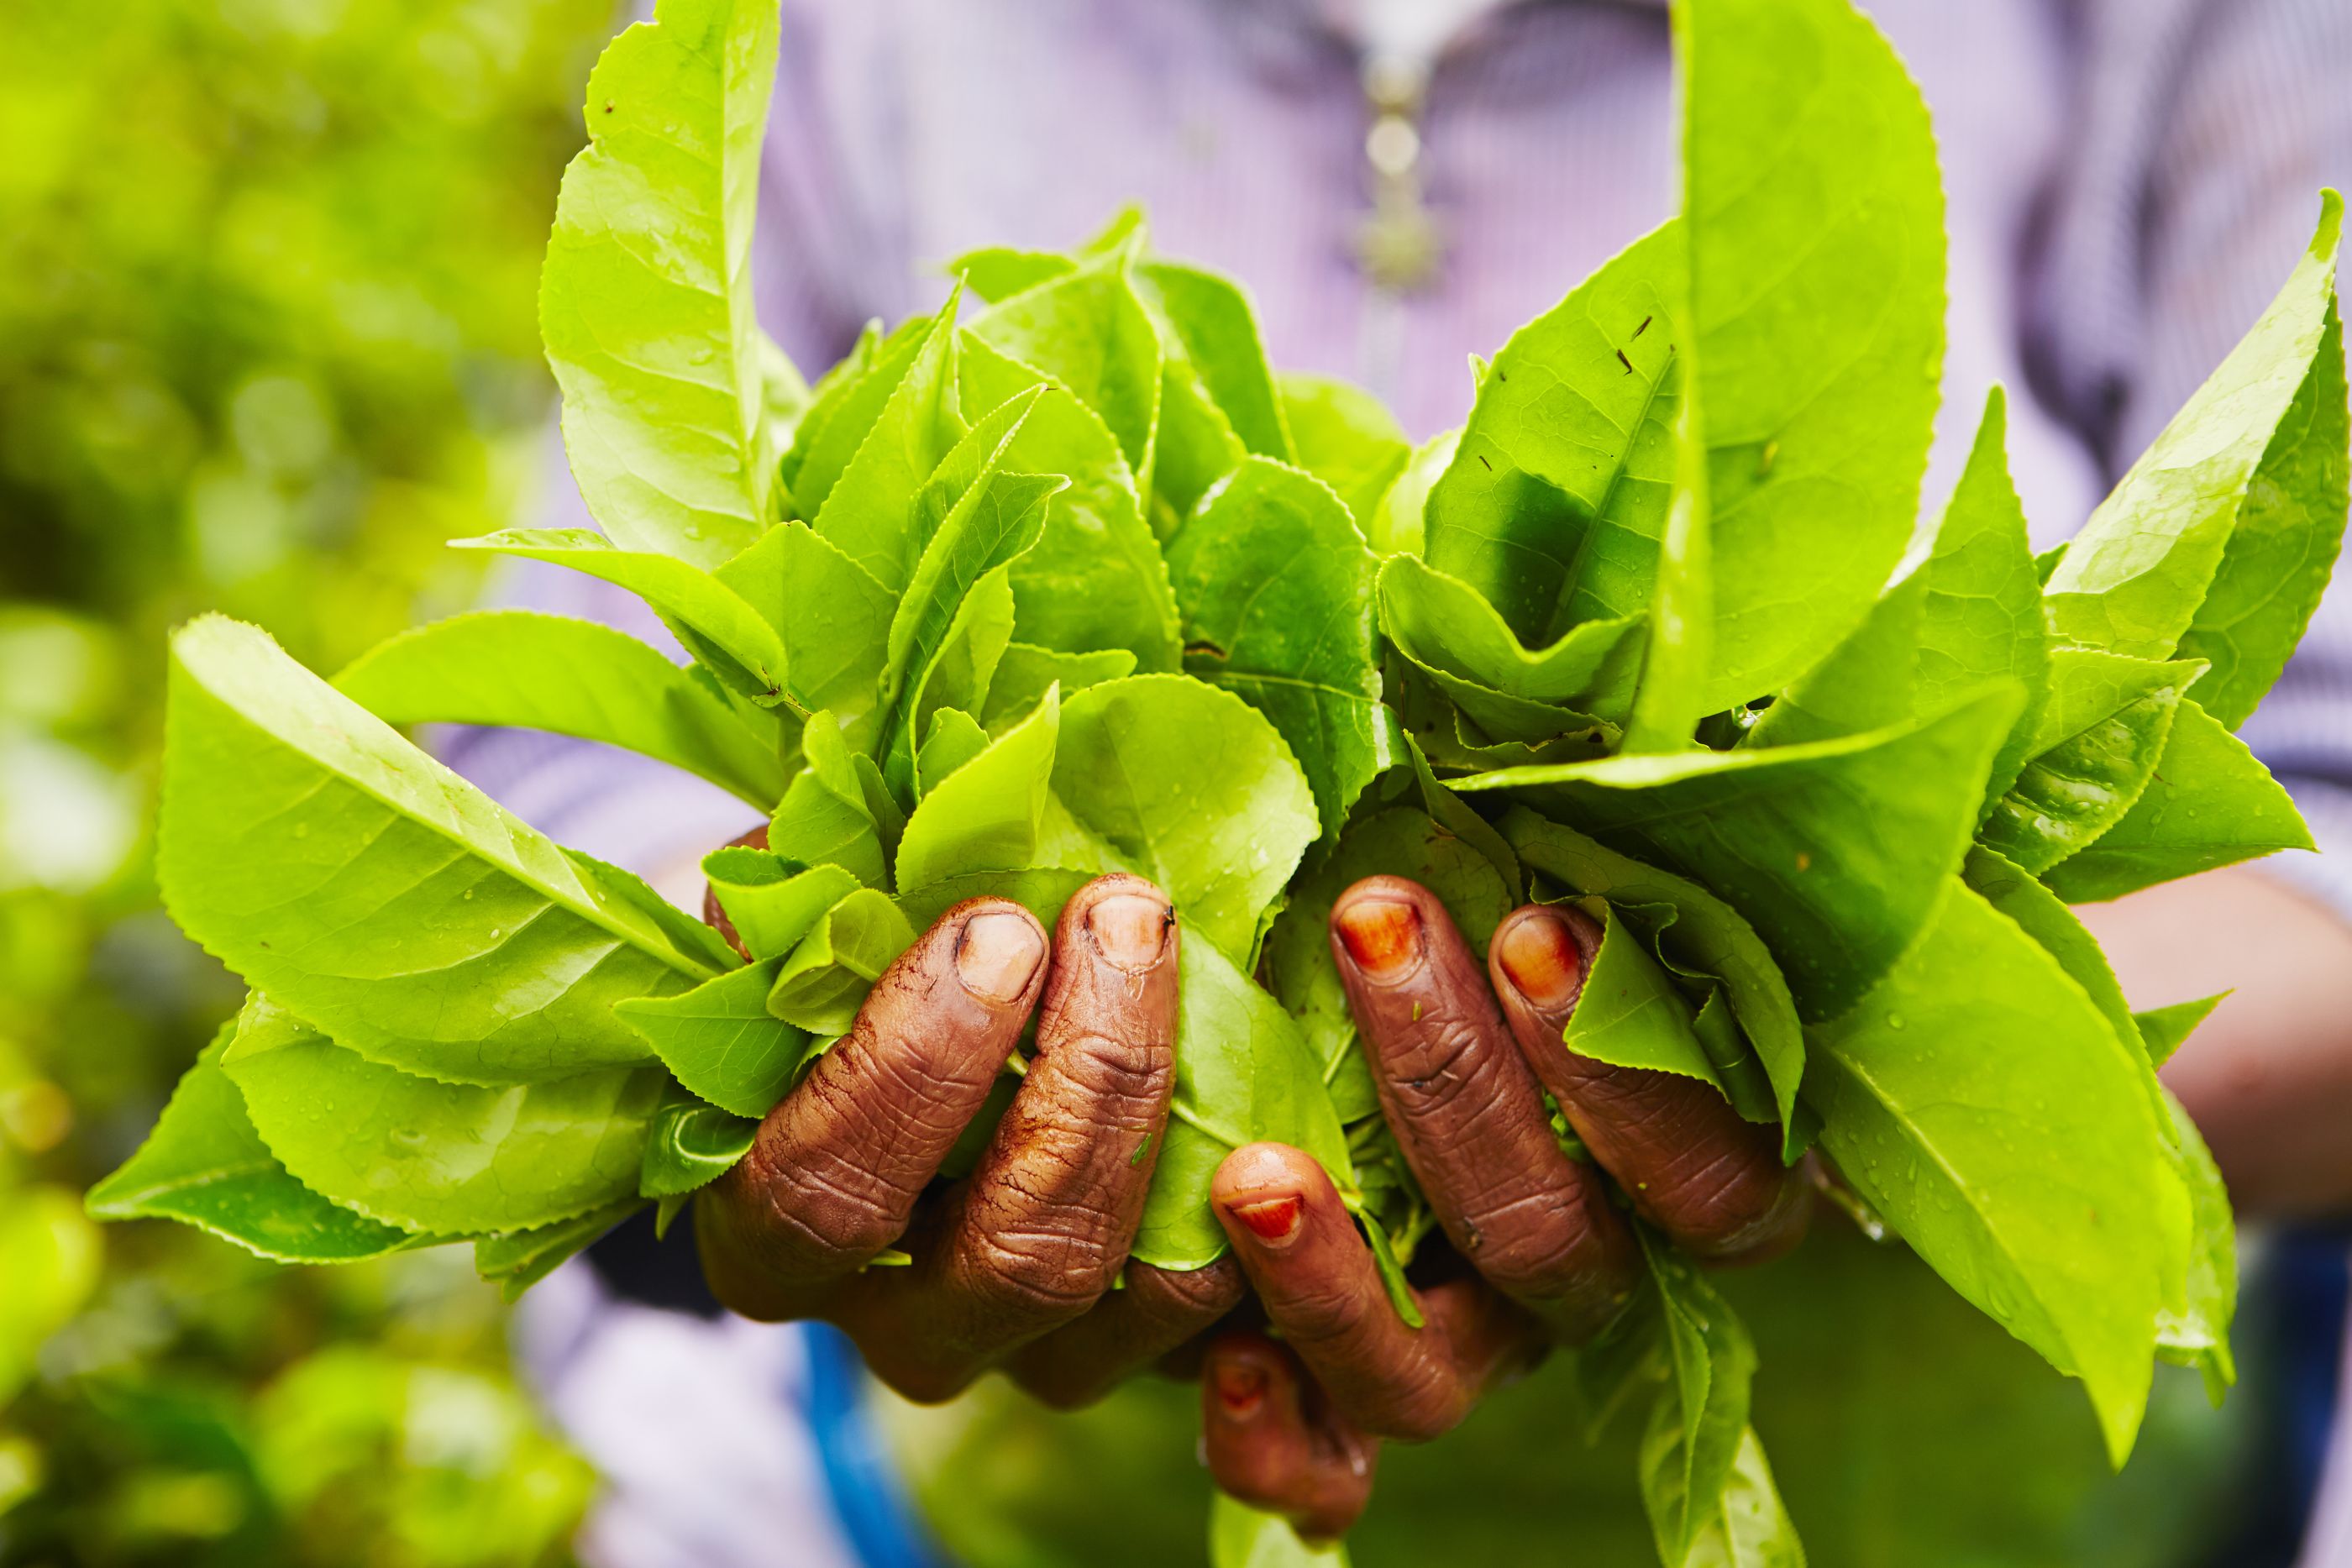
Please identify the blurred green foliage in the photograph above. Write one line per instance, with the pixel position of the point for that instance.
(267, 340)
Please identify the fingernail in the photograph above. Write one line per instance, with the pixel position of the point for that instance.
(996, 956)
(1130, 929)
(1540, 957)
(1273, 1220)
(1241, 1388)
(1382, 936)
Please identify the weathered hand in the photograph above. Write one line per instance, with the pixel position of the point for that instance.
(1013, 1266)
(1538, 1255)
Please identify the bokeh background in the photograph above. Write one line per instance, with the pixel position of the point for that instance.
(267, 340)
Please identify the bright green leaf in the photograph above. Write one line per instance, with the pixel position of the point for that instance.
(823, 983)
(2207, 802)
(1982, 620)
(714, 622)
(720, 1040)
(1981, 1103)
(690, 1145)
(645, 302)
(1275, 589)
(985, 815)
(1835, 850)
(1243, 1074)
(1190, 787)
(513, 667)
(2166, 1030)
(204, 1164)
(1556, 500)
(1343, 435)
(447, 1157)
(378, 894)
(2135, 580)
(1815, 224)
(771, 902)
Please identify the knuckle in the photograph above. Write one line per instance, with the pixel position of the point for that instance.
(1033, 1276)
(1204, 1294)
(1121, 1080)
(1526, 1243)
(1322, 1314)
(1432, 1075)
(828, 1216)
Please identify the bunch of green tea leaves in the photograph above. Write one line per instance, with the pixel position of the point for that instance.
(1062, 578)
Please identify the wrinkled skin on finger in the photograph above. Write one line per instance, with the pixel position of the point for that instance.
(1687, 1161)
(1014, 1266)
(1463, 1054)
(1469, 1115)
(1316, 1279)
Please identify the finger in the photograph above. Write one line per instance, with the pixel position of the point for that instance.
(835, 1170)
(1040, 1231)
(1711, 1181)
(1274, 1444)
(1468, 1114)
(1317, 1279)
(1158, 1311)
(1044, 1227)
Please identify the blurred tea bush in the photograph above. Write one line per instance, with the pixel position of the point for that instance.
(267, 340)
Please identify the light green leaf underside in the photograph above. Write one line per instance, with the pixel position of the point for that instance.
(527, 671)
(378, 896)
(205, 1165)
(1243, 1074)
(645, 300)
(447, 1157)
(519, 1259)
(1815, 223)
(1980, 1101)
(1190, 787)
(2133, 579)
(1241, 1537)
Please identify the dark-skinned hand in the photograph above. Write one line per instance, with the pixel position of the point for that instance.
(1014, 1266)
(1462, 1055)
